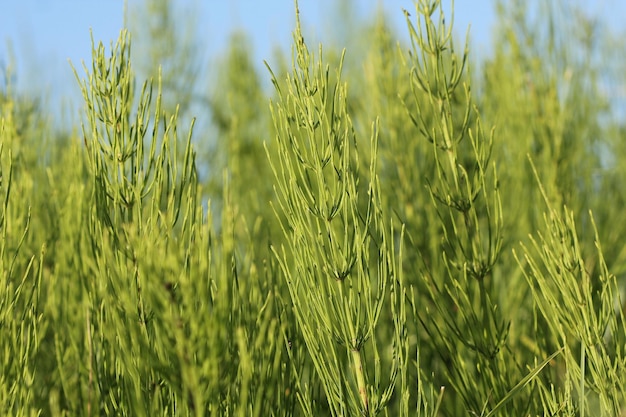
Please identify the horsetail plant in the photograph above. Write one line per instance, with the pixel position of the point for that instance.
(176, 323)
(340, 262)
(139, 189)
(589, 321)
(466, 327)
(21, 321)
(125, 175)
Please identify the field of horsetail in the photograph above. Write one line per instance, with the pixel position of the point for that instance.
(391, 227)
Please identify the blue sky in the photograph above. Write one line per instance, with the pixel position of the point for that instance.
(40, 36)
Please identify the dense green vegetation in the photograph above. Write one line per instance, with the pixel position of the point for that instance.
(384, 233)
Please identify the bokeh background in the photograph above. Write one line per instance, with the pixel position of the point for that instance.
(38, 38)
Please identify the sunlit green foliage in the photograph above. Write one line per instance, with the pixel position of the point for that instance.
(395, 229)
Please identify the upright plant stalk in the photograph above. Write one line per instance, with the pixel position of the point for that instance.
(339, 263)
(176, 323)
(579, 306)
(133, 187)
(126, 174)
(468, 329)
(140, 187)
(22, 325)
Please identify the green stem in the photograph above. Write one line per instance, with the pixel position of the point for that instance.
(360, 379)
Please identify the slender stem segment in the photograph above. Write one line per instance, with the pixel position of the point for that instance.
(360, 379)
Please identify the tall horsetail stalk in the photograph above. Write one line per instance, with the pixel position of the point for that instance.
(465, 195)
(340, 262)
